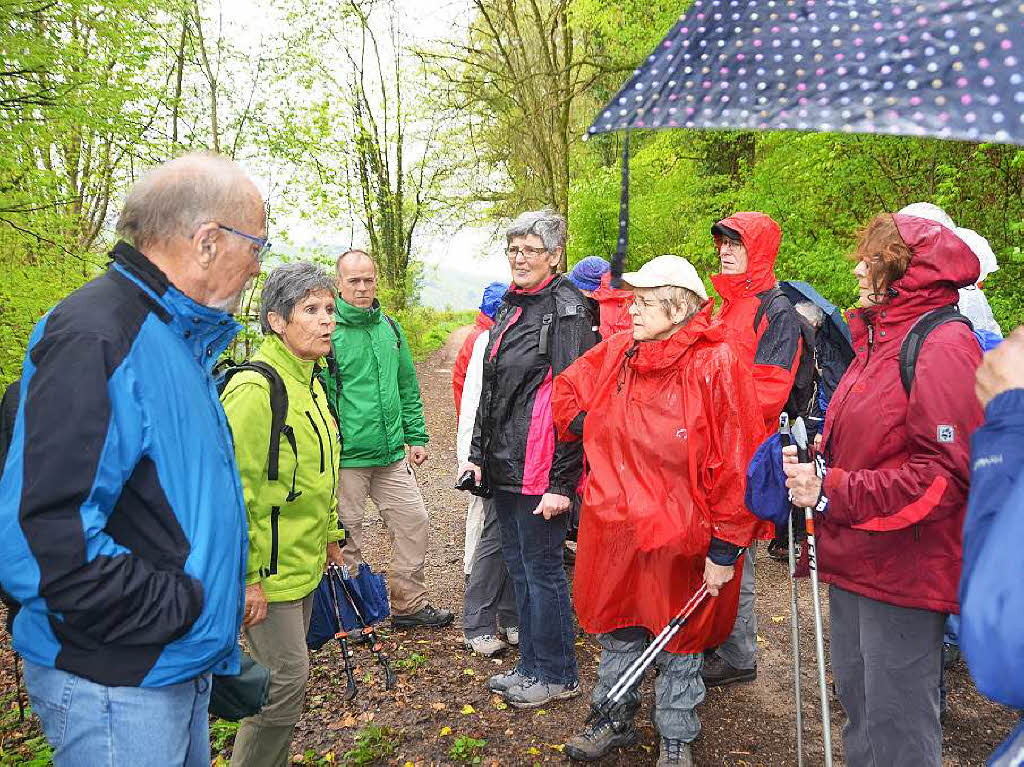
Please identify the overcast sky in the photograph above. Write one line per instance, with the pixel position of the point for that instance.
(470, 250)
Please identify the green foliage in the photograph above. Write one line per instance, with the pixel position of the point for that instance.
(427, 329)
(22, 744)
(468, 750)
(412, 663)
(821, 188)
(222, 734)
(373, 743)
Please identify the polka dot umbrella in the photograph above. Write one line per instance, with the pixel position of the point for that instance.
(936, 68)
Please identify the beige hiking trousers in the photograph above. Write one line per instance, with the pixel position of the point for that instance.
(396, 495)
(279, 643)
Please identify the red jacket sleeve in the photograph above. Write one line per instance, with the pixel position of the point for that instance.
(932, 482)
(460, 367)
(732, 438)
(573, 392)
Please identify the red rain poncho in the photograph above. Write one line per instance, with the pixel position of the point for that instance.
(614, 304)
(668, 450)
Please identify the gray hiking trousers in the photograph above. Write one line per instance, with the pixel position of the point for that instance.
(886, 661)
(739, 649)
(490, 593)
(678, 689)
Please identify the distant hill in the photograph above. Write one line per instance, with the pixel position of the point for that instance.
(444, 288)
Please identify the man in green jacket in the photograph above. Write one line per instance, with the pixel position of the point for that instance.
(377, 398)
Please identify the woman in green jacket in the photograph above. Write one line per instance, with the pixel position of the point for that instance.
(293, 522)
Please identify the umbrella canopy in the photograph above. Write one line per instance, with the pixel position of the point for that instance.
(952, 70)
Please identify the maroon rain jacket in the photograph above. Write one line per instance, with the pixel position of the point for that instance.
(898, 466)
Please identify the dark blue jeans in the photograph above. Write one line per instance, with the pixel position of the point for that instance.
(532, 547)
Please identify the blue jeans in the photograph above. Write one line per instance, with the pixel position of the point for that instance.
(532, 547)
(92, 725)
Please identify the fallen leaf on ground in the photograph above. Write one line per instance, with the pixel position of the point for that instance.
(778, 618)
(446, 731)
(468, 709)
(438, 706)
(346, 721)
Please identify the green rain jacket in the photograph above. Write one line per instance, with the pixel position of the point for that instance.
(288, 530)
(374, 390)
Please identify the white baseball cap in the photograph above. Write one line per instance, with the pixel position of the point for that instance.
(664, 271)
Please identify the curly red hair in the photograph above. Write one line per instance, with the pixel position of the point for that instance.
(880, 245)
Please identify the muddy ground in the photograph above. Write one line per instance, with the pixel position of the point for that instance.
(441, 711)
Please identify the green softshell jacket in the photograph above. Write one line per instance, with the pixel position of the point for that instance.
(287, 538)
(374, 390)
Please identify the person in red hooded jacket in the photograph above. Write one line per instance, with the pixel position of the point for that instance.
(614, 304)
(766, 328)
(890, 509)
(663, 506)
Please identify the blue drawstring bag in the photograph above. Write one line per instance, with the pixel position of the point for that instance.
(766, 496)
(368, 589)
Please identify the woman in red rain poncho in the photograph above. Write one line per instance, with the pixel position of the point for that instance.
(661, 417)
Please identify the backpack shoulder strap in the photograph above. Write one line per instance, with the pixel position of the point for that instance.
(768, 299)
(910, 349)
(394, 327)
(278, 409)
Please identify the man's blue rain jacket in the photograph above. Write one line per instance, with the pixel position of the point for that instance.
(122, 521)
(992, 585)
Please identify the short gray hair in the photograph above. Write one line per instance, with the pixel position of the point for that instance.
(811, 312)
(288, 285)
(673, 297)
(551, 227)
(178, 197)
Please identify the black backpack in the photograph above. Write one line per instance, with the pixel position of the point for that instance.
(225, 371)
(826, 352)
(910, 349)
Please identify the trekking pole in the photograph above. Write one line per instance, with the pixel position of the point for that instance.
(376, 646)
(799, 432)
(794, 610)
(342, 637)
(636, 669)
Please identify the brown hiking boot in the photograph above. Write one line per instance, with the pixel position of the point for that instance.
(601, 738)
(718, 673)
(674, 753)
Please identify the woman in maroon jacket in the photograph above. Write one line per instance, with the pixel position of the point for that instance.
(891, 504)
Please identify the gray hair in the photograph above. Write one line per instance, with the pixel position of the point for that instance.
(811, 312)
(671, 297)
(551, 227)
(178, 197)
(288, 285)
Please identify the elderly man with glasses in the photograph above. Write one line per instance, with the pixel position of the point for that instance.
(122, 516)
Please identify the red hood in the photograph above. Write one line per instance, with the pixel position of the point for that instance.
(483, 321)
(940, 264)
(605, 292)
(761, 237)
